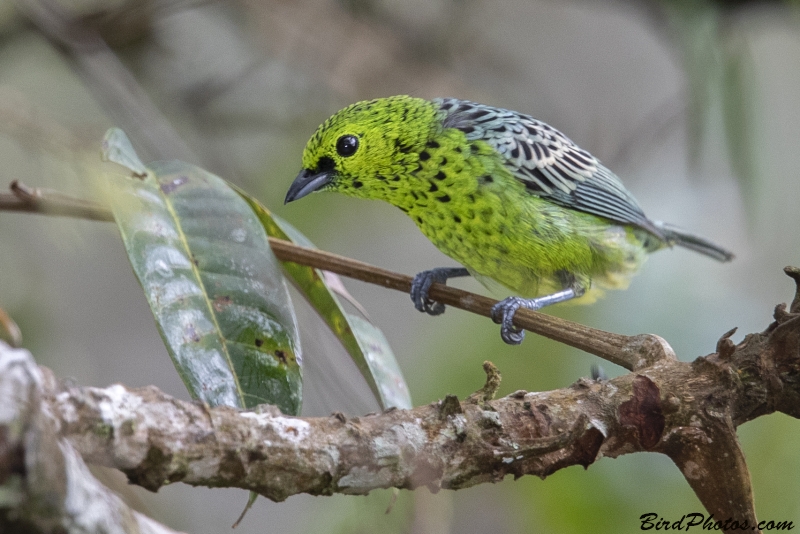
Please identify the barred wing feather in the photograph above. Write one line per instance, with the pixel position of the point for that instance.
(549, 164)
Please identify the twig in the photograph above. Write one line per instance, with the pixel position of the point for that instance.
(630, 352)
(36, 200)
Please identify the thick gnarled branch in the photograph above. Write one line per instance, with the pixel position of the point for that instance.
(688, 411)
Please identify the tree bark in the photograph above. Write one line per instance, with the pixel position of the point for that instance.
(688, 411)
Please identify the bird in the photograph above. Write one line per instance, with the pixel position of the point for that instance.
(507, 196)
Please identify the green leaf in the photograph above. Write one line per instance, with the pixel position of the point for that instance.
(117, 148)
(215, 288)
(392, 389)
(364, 342)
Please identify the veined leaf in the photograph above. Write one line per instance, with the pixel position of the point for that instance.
(215, 288)
(364, 341)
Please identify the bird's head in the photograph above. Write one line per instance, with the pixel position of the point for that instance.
(367, 148)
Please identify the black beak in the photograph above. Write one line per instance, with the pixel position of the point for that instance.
(307, 182)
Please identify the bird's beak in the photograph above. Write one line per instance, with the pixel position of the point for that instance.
(307, 182)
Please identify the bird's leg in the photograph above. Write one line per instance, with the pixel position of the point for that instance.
(422, 284)
(503, 312)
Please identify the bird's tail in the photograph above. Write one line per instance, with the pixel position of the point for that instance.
(675, 236)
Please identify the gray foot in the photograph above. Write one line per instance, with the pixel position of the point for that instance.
(503, 312)
(422, 284)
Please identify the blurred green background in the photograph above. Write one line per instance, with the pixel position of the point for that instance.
(695, 104)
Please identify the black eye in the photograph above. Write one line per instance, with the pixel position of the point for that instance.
(347, 145)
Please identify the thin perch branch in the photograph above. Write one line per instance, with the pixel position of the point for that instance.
(630, 352)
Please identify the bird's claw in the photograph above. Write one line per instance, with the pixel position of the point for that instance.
(420, 286)
(503, 314)
(432, 307)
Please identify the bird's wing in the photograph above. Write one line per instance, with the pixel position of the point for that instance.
(546, 161)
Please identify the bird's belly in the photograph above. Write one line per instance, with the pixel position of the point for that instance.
(530, 251)
(495, 256)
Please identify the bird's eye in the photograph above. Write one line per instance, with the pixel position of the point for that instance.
(347, 145)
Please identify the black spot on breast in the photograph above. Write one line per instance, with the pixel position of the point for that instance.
(433, 188)
(395, 178)
(380, 177)
(259, 342)
(440, 175)
(443, 198)
(474, 148)
(487, 179)
(424, 156)
(456, 218)
(432, 144)
(357, 184)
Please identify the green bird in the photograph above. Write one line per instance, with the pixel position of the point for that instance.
(507, 196)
